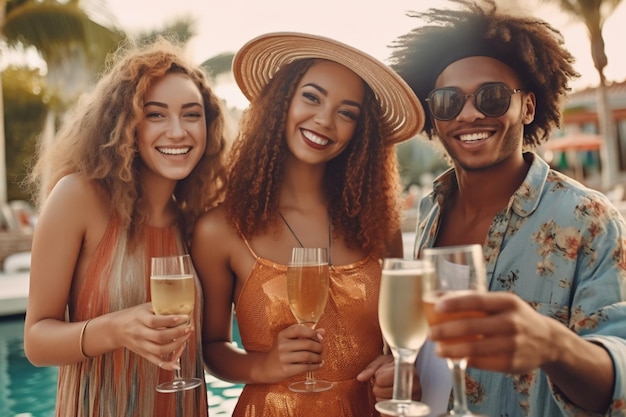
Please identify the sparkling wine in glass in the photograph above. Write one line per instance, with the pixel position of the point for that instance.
(404, 327)
(172, 291)
(458, 270)
(307, 290)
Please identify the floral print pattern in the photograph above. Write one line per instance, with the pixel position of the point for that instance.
(561, 247)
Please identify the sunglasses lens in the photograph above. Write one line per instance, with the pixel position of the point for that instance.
(445, 103)
(493, 100)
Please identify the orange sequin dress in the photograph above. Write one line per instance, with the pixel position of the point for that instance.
(122, 383)
(353, 339)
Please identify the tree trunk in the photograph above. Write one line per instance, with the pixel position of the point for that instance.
(3, 153)
(610, 151)
(3, 141)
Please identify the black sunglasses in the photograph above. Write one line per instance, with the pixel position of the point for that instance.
(492, 100)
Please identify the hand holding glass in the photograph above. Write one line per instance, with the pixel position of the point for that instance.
(458, 270)
(307, 290)
(173, 292)
(404, 327)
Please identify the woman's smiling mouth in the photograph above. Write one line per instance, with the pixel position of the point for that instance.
(174, 151)
(314, 138)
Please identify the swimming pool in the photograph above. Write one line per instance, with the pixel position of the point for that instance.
(28, 391)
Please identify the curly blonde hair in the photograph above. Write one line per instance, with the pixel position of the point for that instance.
(361, 184)
(98, 138)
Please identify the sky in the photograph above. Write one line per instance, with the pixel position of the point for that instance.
(372, 25)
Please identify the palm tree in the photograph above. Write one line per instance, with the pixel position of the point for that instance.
(219, 64)
(26, 106)
(180, 30)
(73, 37)
(593, 13)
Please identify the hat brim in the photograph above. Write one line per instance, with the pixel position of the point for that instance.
(258, 60)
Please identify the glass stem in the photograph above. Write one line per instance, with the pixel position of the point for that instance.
(403, 376)
(177, 376)
(458, 367)
(310, 378)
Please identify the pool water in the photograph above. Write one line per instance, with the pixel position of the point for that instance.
(28, 391)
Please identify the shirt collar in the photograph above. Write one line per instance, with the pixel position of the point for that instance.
(525, 199)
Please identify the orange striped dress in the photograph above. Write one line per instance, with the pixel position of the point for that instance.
(121, 383)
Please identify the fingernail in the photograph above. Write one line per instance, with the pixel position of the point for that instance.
(319, 337)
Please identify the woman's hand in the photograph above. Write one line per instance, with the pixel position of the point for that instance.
(298, 349)
(380, 373)
(159, 339)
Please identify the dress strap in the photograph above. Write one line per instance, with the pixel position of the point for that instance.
(245, 241)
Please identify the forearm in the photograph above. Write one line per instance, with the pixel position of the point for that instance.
(230, 363)
(583, 371)
(52, 342)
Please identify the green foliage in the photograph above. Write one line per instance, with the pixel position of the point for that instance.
(218, 64)
(53, 26)
(25, 110)
(419, 156)
(179, 31)
(74, 37)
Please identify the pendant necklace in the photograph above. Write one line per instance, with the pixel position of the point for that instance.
(300, 243)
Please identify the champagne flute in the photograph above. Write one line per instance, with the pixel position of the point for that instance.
(458, 269)
(172, 291)
(307, 291)
(404, 327)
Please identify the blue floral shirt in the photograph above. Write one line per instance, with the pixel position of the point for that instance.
(562, 248)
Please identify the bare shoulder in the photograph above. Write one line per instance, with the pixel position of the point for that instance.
(221, 258)
(73, 186)
(78, 210)
(213, 243)
(212, 230)
(213, 225)
(75, 197)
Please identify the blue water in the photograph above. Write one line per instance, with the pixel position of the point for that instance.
(28, 391)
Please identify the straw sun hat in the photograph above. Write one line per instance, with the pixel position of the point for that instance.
(259, 59)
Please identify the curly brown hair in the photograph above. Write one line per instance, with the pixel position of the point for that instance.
(98, 137)
(361, 184)
(531, 47)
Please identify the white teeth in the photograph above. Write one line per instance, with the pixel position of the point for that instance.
(472, 137)
(174, 151)
(314, 138)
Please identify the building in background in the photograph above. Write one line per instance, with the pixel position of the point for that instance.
(575, 148)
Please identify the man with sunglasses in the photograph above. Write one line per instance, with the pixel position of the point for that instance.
(552, 340)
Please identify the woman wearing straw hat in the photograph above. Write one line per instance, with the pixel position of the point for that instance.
(314, 166)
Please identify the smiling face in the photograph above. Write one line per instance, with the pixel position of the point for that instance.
(475, 141)
(323, 112)
(171, 138)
